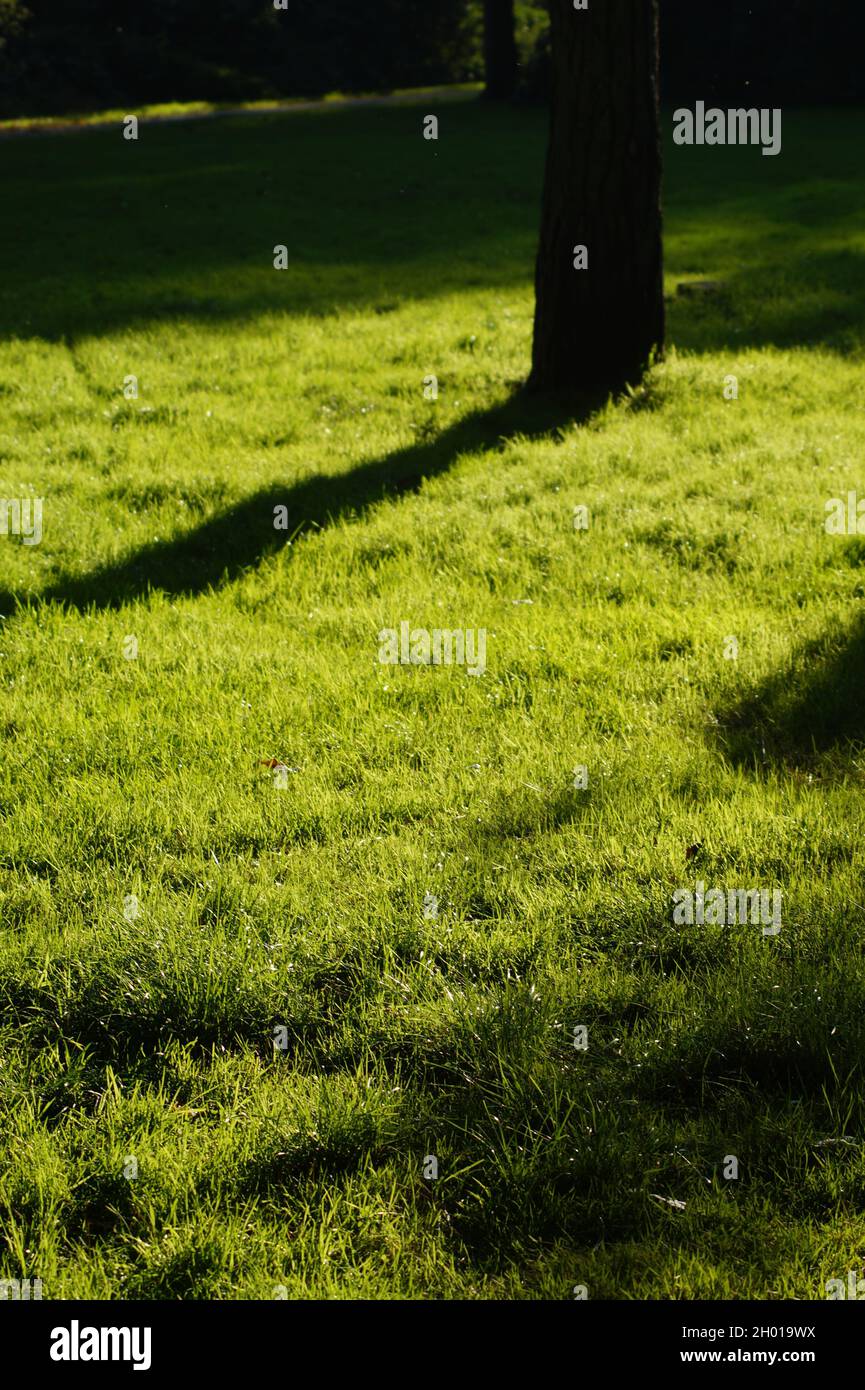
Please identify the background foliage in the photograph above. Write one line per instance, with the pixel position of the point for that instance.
(102, 53)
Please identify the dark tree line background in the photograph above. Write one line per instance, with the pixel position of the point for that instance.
(67, 55)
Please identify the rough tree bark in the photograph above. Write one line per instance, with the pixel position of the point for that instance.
(500, 50)
(597, 327)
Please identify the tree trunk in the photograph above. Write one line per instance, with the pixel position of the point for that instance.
(597, 327)
(500, 49)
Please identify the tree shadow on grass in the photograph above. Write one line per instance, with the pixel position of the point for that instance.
(181, 227)
(810, 709)
(226, 545)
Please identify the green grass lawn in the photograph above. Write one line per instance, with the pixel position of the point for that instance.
(168, 901)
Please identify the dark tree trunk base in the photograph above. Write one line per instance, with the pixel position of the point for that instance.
(600, 326)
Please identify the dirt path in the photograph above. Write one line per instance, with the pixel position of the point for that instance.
(50, 126)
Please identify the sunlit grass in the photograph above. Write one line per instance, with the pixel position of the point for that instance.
(145, 1029)
(177, 109)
